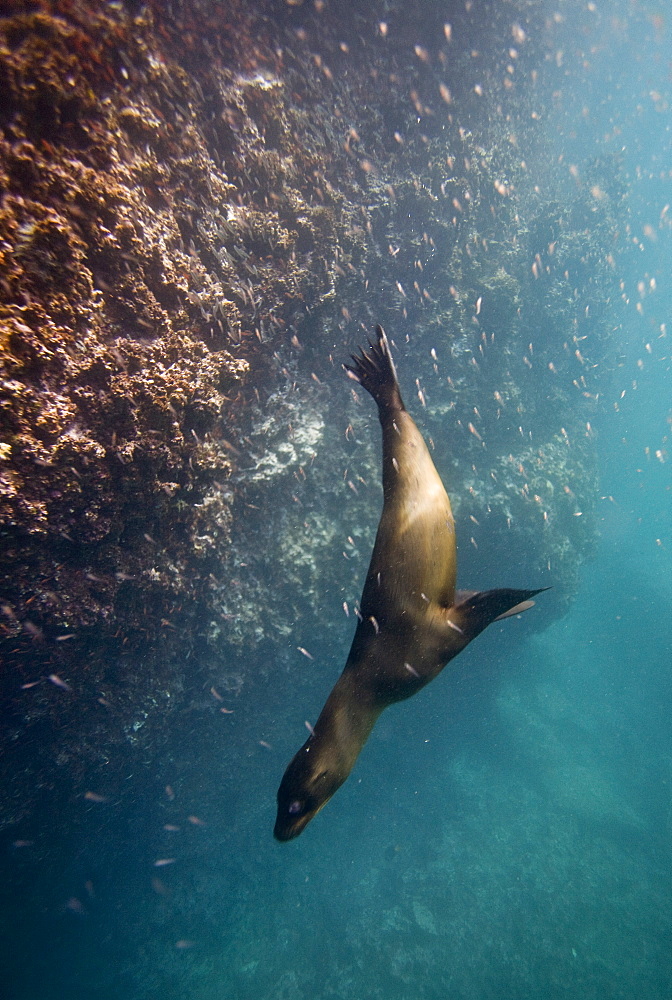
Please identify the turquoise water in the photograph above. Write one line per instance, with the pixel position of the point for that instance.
(508, 832)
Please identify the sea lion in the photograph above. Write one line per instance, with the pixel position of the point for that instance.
(412, 619)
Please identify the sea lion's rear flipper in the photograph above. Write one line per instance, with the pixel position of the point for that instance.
(474, 610)
(374, 369)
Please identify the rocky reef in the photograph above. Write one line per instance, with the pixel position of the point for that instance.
(205, 206)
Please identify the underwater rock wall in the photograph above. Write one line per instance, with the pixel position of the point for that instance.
(205, 206)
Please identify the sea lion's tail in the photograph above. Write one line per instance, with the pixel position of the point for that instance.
(374, 369)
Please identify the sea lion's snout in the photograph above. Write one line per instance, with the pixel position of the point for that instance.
(306, 787)
(294, 814)
(284, 833)
(287, 827)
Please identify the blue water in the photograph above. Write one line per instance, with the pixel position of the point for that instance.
(508, 832)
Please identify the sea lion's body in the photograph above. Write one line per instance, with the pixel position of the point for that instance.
(412, 619)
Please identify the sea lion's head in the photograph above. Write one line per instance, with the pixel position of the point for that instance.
(306, 787)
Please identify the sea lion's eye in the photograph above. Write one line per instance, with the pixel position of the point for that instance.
(295, 807)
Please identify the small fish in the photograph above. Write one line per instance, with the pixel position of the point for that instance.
(305, 652)
(34, 631)
(75, 905)
(55, 679)
(162, 862)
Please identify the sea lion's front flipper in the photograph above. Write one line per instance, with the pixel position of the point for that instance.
(517, 610)
(474, 610)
